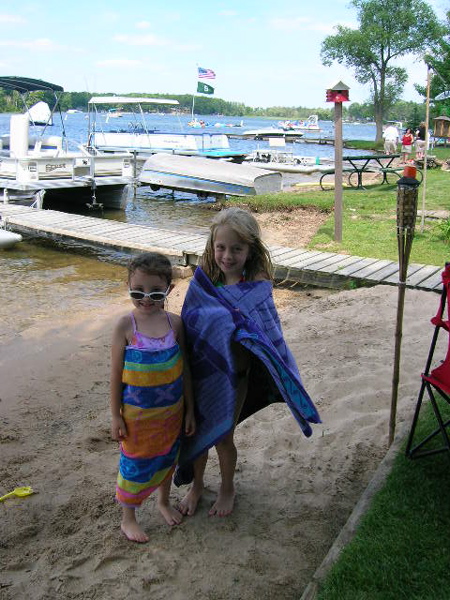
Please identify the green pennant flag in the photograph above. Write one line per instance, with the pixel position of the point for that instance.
(204, 88)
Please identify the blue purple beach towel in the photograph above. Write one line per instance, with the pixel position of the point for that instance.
(244, 313)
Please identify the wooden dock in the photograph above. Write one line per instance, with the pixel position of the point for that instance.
(297, 265)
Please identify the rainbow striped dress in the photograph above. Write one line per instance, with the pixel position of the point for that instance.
(152, 408)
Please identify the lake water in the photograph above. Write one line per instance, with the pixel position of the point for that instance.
(40, 279)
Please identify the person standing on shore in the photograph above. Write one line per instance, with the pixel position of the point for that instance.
(391, 137)
(407, 142)
(420, 141)
(150, 393)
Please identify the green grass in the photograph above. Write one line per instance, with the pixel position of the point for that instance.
(401, 550)
(369, 218)
(402, 546)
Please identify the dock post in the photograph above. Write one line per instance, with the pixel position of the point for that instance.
(135, 184)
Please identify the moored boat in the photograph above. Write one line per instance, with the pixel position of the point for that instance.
(309, 124)
(271, 132)
(45, 166)
(143, 141)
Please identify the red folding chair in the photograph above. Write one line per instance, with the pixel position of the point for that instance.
(435, 382)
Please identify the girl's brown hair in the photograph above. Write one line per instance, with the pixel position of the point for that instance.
(151, 263)
(247, 228)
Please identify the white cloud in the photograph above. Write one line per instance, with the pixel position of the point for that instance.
(39, 44)
(140, 40)
(307, 24)
(287, 24)
(119, 62)
(11, 19)
(143, 25)
(187, 47)
(110, 17)
(228, 13)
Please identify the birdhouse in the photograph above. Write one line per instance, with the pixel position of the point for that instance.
(338, 93)
(442, 127)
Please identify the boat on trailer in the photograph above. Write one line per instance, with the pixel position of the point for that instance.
(138, 138)
(39, 168)
(205, 177)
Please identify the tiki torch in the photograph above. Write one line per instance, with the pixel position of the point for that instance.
(406, 221)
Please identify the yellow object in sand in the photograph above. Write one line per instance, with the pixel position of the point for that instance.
(20, 491)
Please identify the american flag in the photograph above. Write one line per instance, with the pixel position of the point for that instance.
(206, 73)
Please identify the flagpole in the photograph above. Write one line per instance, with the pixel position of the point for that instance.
(193, 98)
(425, 153)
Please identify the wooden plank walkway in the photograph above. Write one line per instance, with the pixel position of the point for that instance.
(323, 269)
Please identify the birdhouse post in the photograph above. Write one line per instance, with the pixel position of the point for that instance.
(338, 94)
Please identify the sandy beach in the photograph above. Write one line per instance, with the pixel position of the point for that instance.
(294, 494)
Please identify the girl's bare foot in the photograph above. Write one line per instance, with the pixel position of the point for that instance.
(133, 532)
(171, 515)
(188, 505)
(224, 504)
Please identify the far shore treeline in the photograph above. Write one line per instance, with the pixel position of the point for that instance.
(407, 112)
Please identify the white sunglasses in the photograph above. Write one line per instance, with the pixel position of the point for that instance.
(155, 296)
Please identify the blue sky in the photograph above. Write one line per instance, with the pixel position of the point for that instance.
(264, 52)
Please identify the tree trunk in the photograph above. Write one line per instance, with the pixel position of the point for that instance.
(379, 122)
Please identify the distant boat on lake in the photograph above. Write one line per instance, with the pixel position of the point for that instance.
(309, 124)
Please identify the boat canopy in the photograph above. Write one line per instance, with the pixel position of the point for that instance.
(129, 100)
(25, 84)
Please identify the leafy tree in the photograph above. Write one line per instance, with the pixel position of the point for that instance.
(360, 112)
(388, 30)
(439, 63)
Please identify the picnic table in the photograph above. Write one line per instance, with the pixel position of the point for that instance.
(358, 164)
(363, 163)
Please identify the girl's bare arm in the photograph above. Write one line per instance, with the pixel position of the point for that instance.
(119, 341)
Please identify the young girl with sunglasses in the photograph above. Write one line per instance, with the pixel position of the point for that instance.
(239, 360)
(150, 393)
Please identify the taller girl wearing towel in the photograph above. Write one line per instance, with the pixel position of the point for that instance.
(239, 360)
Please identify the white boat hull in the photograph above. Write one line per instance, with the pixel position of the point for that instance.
(264, 134)
(8, 239)
(207, 177)
(310, 124)
(29, 165)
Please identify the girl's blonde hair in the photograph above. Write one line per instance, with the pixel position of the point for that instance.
(247, 229)
(151, 263)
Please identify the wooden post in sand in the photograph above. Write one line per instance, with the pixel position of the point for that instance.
(406, 221)
(338, 94)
